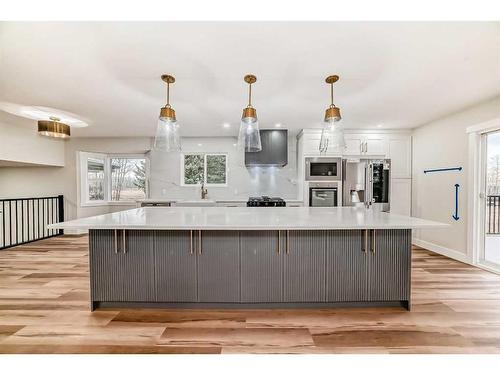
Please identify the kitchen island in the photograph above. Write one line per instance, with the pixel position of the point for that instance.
(247, 257)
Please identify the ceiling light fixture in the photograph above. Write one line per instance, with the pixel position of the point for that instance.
(249, 135)
(333, 132)
(167, 137)
(53, 128)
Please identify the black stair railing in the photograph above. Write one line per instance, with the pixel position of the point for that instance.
(24, 220)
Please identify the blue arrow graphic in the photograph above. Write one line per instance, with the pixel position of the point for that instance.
(443, 170)
(455, 215)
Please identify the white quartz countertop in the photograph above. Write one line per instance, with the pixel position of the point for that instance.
(248, 218)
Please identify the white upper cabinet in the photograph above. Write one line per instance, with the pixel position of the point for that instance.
(396, 146)
(400, 154)
(375, 144)
(310, 145)
(354, 144)
(365, 145)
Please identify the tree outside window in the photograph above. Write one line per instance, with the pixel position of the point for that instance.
(210, 169)
(128, 179)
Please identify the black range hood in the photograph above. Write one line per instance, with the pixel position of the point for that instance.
(274, 151)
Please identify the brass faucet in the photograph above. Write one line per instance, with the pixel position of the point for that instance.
(204, 191)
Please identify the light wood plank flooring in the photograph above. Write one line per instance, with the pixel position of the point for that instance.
(44, 308)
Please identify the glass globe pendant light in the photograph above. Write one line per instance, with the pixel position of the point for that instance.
(249, 136)
(332, 135)
(167, 137)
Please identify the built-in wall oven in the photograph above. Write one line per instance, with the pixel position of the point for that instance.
(323, 194)
(323, 169)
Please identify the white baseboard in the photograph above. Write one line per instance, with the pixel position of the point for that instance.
(450, 253)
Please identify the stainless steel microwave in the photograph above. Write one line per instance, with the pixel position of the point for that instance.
(323, 169)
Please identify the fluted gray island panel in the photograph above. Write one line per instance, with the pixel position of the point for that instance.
(246, 269)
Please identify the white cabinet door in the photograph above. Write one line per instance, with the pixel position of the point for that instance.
(400, 195)
(353, 143)
(375, 144)
(311, 146)
(365, 144)
(400, 155)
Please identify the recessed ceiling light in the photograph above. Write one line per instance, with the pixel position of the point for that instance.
(226, 125)
(278, 125)
(380, 125)
(199, 145)
(235, 144)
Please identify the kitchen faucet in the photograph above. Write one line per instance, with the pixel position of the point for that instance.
(204, 191)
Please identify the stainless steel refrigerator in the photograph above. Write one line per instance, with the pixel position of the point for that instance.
(366, 182)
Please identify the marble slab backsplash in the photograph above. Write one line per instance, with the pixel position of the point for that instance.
(242, 182)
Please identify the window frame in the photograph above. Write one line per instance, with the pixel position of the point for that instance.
(205, 154)
(83, 173)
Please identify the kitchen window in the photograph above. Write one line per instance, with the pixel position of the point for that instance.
(112, 179)
(210, 169)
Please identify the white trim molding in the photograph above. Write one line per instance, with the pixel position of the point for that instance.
(450, 253)
(475, 229)
(484, 127)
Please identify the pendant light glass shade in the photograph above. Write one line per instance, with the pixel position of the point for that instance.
(249, 135)
(167, 138)
(332, 135)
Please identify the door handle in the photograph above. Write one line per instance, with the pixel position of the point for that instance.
(116, 241)
(191, 241)
(279, 242)
(124, 242)
(199, 242)
(287, 241)
(365, 248)
(373, 241)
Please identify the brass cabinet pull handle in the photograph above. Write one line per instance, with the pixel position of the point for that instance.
(191, 241)
(365, 248)
(123, 242)
(287, 241)
(199, 242)
(373, 241)
(116, 241)
(279, 242)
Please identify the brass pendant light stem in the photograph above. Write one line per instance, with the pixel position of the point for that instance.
(250, 95)
(331, 93)
(250, 78)
(168, 95)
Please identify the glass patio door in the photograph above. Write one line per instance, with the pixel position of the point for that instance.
(491, 200)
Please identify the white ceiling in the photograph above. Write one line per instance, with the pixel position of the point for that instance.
(400, 75)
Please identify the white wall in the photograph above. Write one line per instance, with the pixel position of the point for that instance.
(165, 174)
(45, 181)
(444, 143)
(242, 182)
(20, 142)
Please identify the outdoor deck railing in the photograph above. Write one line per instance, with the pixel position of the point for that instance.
(493, 214)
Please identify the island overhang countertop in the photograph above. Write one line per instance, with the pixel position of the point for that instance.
(248, 218)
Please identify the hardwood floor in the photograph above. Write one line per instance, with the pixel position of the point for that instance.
(44, 308)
